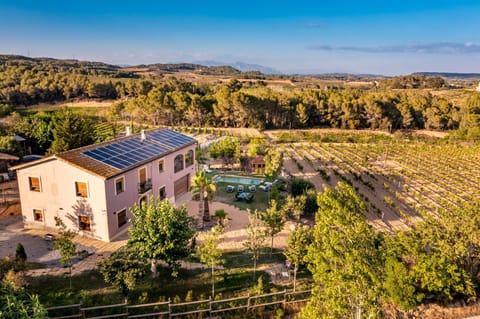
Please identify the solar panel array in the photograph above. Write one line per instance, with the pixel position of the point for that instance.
(128, 152)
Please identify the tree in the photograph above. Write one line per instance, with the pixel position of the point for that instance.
(302, 114)
(439, 258)
(203, 185)
(274, 219)
(256, 236)
(344, 258)
(298, 242)
(256, 146)
(210, 254)
(227, 148)
(18, 304)
(20, 256)
(122, 269)
(161, 232)
(10, 146)
(65, 244)
(273, 162)
(295, 206)
(300, 186)
(70, 131)
(221, 216)
(471, 112)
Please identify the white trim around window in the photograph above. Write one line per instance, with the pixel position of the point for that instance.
(164, 187)
(79, 190)
(35, 186)
(121, 178)
(38, 212)
(161, 163)
(121, 217)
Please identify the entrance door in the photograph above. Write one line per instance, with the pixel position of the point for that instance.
(181, 185)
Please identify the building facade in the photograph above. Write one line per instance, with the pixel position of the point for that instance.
(92, 188)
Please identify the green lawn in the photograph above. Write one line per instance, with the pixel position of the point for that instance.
(260, 201)
(89, 288)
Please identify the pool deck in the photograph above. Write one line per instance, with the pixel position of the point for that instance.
(238, 179)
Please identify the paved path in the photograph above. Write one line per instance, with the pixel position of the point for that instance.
(40, 251)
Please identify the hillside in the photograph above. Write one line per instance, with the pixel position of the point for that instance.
(450, 75)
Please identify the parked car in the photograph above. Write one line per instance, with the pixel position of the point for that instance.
(30, 158)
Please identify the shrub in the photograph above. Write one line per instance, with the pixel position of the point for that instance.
(299, 186)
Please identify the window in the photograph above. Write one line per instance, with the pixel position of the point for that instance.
(34, 183)
(178, 163)
(162, 193)
(189, 158)
(81, 189)
(143, 201)
(142, 175)
(161, 166)
(144, 184)
(38, 215)
(84, 223)
(119, 185)
(122, 217)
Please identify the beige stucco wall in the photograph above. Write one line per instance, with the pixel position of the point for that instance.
(58, 197)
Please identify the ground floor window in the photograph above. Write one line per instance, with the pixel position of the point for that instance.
(38, 215)
(122, 217)
(84, 223)
(162, 193)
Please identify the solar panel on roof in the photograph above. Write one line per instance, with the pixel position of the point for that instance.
(128, 152)
(170, 138)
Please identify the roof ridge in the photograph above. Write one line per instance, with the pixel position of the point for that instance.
(105, 143)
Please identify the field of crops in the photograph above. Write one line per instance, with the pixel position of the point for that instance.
(401, 181)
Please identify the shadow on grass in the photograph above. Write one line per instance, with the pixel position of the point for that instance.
(90, 289)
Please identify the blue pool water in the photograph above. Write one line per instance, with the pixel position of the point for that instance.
(237, 180)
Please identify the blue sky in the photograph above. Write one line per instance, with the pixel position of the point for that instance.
(379, 37)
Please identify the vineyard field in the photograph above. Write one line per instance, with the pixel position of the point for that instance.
(402, 182)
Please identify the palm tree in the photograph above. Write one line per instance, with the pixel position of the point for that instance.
(203, 185)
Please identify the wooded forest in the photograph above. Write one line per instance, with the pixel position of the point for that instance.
(389, 104)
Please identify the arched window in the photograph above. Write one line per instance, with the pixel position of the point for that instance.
(189, 158)
(178, 163)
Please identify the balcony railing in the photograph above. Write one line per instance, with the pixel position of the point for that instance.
(145, 186)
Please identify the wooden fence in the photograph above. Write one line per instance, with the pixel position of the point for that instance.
(201, 308)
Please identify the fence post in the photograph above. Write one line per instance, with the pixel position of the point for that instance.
(284, 303)
(169, 309)
(82, 312)
(248, 301)
(210, 306)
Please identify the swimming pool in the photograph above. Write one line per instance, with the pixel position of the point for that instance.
(237, 180)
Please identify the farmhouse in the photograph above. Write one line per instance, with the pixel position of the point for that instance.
(91, 188)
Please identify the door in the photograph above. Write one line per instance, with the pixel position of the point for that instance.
(181, 185)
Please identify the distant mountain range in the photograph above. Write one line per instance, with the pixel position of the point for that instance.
(241, 66)
(209, 67)
(450, 75)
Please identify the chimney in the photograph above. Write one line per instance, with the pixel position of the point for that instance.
(142, 135)
(127, 130)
